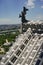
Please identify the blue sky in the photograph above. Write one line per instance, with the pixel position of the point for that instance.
(10, 10)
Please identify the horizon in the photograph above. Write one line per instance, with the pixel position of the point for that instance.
(10, 10)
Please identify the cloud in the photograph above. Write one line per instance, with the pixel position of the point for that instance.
(9, 21)
(42, 6)
(39, 17)
(30, 3)
(5, 21)
(41, 0)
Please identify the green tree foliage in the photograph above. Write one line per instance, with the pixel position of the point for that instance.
(10, 37)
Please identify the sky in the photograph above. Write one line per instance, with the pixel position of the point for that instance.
(10, 10)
